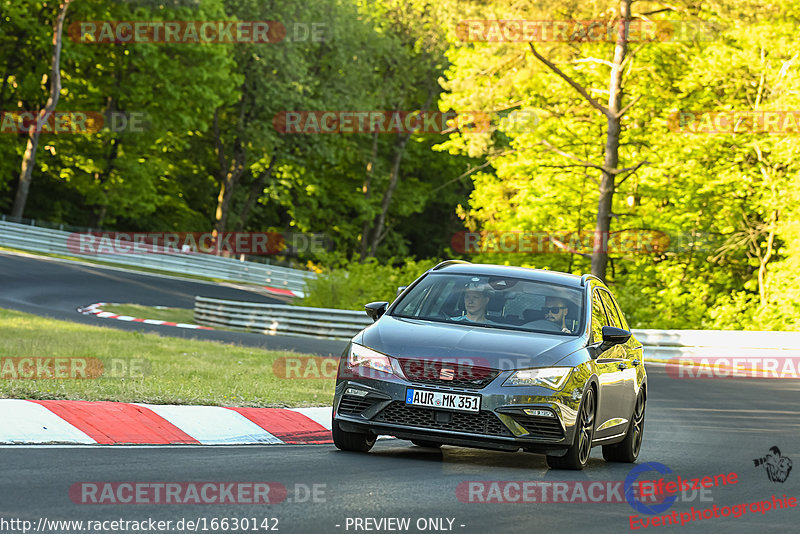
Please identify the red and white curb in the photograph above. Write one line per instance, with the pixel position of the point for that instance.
(111, 423)
(284, 292)
(97, 310)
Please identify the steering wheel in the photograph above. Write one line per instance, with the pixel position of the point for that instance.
(543, 324)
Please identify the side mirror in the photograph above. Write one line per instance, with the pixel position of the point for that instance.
(376, 309)
(613, 336)
(400, 290)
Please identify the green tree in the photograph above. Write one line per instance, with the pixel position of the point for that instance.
(722, 198)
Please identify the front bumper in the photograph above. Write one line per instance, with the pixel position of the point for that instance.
(501, 423)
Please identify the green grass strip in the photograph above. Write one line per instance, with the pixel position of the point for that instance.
(165, 370)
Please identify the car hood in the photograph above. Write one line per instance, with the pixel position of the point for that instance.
(490, 347)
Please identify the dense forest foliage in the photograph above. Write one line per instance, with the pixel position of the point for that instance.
(681, 135)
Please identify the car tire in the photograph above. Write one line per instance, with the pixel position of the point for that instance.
(578, 454)
(351, 441)
(427, 444)
(627, 450)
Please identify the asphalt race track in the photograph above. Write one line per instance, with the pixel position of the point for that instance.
(696, 428)
(56, 288)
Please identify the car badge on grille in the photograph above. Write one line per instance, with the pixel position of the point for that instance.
(447, 373)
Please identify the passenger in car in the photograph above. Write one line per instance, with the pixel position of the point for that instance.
(555, 316)
(555, 311)
(476, 300)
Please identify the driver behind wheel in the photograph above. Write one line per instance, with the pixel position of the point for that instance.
(476, 300)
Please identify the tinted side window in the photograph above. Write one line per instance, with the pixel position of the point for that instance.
(599, 319)
(619, 313)
(610, 309)
(440, 293)
(413, 304)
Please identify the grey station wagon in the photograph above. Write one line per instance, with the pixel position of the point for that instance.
(496, 357)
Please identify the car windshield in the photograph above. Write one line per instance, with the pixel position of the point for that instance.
(494, 302)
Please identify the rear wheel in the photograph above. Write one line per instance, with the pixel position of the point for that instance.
(425, 443)
(578, 454)
(351, 441)
(627, 451)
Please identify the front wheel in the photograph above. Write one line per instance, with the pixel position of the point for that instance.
(351, 441)
(627, 451)
(578, 454)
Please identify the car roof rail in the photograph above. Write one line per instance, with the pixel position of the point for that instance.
(449, 262)
(586, 277)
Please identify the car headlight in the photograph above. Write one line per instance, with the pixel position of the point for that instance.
(361, 356)
(549, 377)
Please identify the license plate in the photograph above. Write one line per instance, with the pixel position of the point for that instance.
(439, 399)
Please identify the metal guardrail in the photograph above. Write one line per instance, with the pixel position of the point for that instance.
(344, 324)
(34, 238)
(668, 344)
(275, 319)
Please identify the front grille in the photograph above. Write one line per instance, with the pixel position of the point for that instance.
(541, 427)
(352, 404)
(397, 413)
(455, 375)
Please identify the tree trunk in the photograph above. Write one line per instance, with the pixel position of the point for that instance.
(100, 213)
(228, 183)
(762, 264)
(611, 159)
(394, 178)
(255, 191)
(98, 217)
(400, 148)
(29, 158)
(229, 172)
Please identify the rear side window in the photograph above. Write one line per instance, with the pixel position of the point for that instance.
(599, 319)
(610, 309)
(619, 313)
